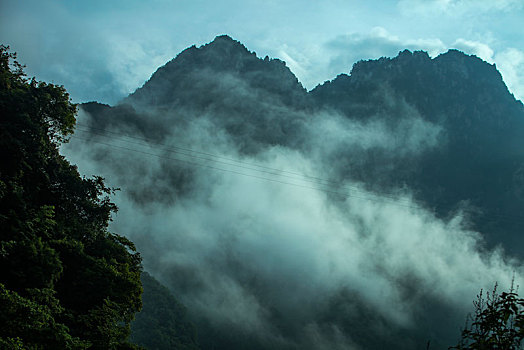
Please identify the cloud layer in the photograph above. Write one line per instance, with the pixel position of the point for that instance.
(276, 246)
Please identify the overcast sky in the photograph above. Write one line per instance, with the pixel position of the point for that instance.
(103, 50)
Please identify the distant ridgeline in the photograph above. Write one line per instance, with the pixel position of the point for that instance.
(478, 163)
(456, 130)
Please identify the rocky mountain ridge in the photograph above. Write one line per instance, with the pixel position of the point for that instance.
(480, 152)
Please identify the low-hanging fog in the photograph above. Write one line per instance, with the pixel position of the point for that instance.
(256, 216)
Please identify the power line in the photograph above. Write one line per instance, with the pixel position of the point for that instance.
(249, 175)
(379, 197)
(242, 165)
(104, 131)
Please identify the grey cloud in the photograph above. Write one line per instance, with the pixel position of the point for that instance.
(511, 65)
(479, 49)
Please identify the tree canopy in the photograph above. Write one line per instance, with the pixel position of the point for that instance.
(66, 282)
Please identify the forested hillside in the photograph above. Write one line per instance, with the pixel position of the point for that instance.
(163, 321)
(66, 281)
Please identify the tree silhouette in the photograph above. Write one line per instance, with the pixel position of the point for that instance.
(66, 282)
(498, 322)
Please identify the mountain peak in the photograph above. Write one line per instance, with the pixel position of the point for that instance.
(226, 44)
(474, 83)
(212, 65)
(224, 38)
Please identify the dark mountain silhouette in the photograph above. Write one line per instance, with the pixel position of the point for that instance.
(480, 160)
(221, 78)
(181, 81)
(446, 130)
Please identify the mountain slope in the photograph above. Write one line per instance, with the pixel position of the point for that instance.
(481, 150)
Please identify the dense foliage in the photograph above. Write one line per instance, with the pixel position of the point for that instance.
(498, 323)
(162, 323)
(65, 281)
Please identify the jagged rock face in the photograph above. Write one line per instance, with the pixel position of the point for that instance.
(452, 88)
